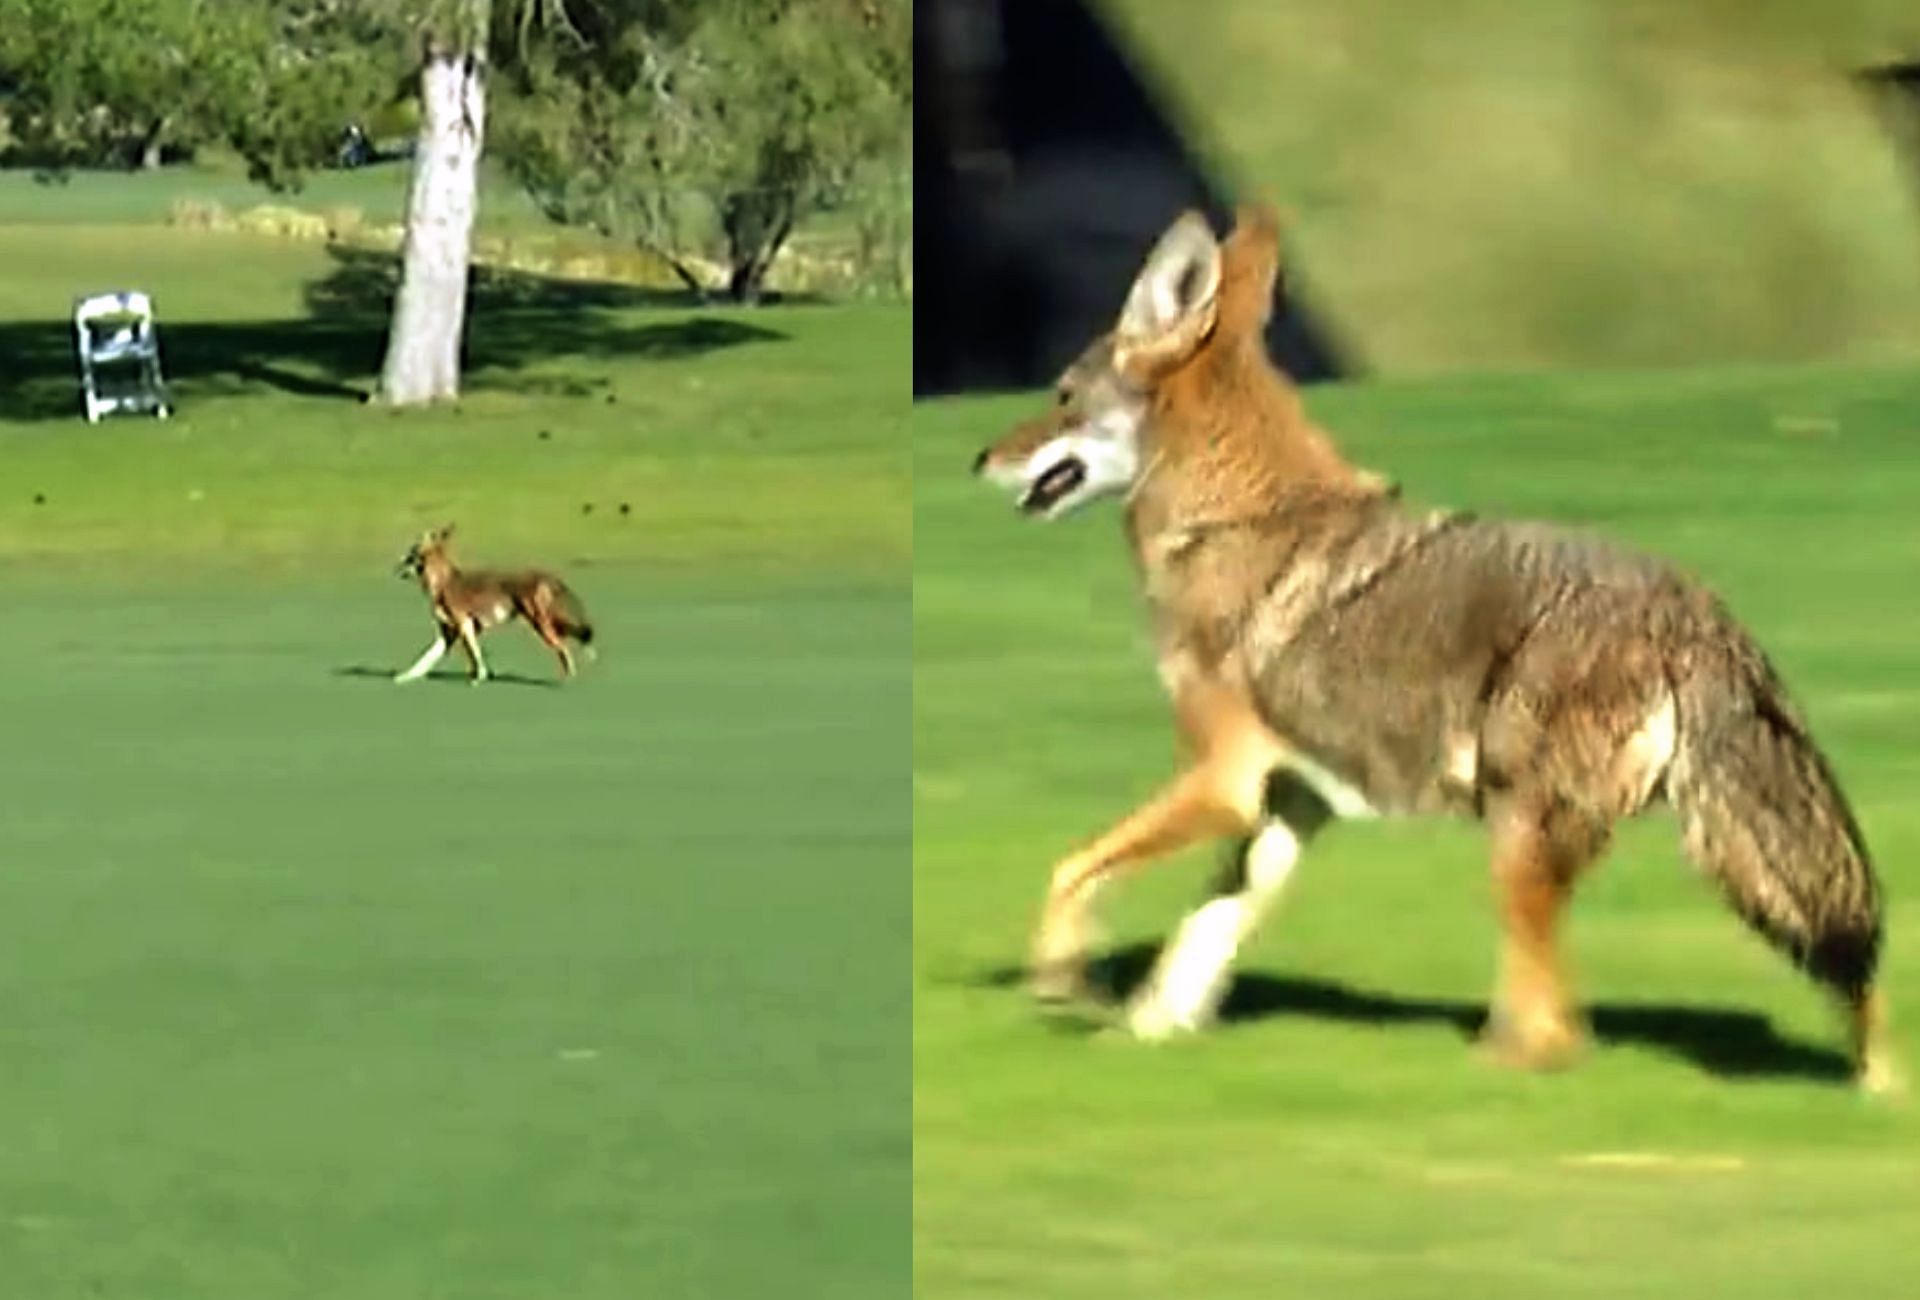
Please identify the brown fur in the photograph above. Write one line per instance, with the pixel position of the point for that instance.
(1534, 678)
(467, 603)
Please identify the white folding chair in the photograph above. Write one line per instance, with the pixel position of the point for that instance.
(119, 355)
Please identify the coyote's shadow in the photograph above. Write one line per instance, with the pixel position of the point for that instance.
(371, 673)
(1725, 1042)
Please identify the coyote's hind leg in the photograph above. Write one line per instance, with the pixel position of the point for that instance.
(551, 637)
(469, 634)
(1878, 1072)
(1538, 855)
(540, 616)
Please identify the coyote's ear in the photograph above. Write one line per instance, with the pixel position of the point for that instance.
(1250, 261)
(1170, 309)
(1258, 219)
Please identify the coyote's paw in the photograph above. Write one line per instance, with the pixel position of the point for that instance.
(1880, 1078)
(1150, 1020)
(1540, 1043)
(1058, 982)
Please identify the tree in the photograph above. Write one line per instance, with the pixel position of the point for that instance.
(279, 80)
(797, 109)
(735, 117)
(429, 315)
(715, 128)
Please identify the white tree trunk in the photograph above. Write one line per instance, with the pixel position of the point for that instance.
(429, 316)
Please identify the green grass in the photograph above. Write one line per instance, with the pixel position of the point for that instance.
(1337, 1136)
(320, 986)
(1486, 185)
(770, 436)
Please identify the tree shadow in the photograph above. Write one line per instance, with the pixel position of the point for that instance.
(368, 672)
(1722, 1041)
(516, 322)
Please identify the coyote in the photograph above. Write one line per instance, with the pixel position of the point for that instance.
(1331, 653)
(467, 603)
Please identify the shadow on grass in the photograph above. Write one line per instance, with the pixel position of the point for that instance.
(515, 321)
(1722, 1041)
(367, 672)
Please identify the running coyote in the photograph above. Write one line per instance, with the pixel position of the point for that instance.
(1331, 653)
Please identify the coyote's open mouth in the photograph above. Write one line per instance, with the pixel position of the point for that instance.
(1060, 480)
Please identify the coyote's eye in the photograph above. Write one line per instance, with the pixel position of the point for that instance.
(1061, 397)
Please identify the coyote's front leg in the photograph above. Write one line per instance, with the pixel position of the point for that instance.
(428, 658)
(1199, 803)
(1184, 991)
(1220, 795)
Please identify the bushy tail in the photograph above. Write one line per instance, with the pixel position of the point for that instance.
(573, 620)
(1762, 814)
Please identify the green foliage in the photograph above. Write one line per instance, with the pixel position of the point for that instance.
(100, 81)
(703, 132)
(329, 64)
(710, 131)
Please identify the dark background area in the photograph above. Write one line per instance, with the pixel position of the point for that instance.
(1045, 169)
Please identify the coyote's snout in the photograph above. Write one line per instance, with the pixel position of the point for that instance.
(467, 603)
(1087, 447)
(1330, 653)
